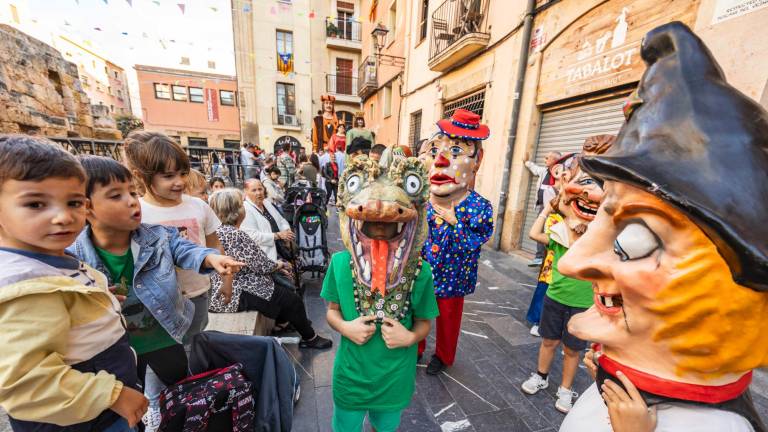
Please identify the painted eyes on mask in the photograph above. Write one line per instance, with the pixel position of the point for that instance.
(412, 184)
(353, 183)
(636, 241)
(454, 151)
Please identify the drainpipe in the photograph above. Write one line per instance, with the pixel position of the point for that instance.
(522, 66)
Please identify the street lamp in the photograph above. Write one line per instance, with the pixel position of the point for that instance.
(379, 34)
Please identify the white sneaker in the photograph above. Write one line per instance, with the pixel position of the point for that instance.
(535, 330)
(151, 419)
(535, 383)
(564, 401)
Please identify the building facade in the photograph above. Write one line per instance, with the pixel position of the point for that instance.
(274, 71)
(581, 60)
(104, 82)
(198, 109)
(336, 46)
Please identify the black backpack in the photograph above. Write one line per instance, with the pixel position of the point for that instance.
(217, 400)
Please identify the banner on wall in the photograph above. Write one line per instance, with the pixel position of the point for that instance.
(212, 104)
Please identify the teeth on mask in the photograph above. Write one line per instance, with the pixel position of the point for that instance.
(359, 249)
(609, 301)
(400, 227)
(399, 252)
(366, 271)
(393, 274)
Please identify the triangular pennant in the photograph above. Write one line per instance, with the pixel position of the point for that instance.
(213, 8)
(130, 2)
(97, 28)
(124, 33)
(247, 8)
(106, 2)
(181, 6)
(311, 14)
(157, 2)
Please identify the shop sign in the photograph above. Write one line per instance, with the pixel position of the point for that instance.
(287, 139)
(602, 49)
(212, 104)
(727, 9)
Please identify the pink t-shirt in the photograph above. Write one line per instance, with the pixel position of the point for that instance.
(195, 219)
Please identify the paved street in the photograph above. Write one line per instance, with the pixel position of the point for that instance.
(481, 392)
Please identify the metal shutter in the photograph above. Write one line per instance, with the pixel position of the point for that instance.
(565, 130)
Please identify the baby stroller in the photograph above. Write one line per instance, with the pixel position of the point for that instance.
(309, 225)
(297, 195)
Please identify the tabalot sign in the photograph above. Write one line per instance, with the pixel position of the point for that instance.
(212, 104)
(602, 49)
(727, 9)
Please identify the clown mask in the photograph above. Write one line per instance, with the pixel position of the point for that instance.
(452, 165)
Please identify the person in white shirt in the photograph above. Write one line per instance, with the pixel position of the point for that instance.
(263, 221)
(248, 161)
(544, 185)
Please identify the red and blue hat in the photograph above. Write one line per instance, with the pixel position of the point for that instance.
(464, 124)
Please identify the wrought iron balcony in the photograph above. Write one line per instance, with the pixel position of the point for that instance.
(367, 73)
(341, 84)
(343, 34)
(459, 30)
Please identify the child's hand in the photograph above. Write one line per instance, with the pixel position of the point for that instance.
(360, 329)
(627, 409)
(224, 265)
(120, 298)
(130, 405)
(395, 335)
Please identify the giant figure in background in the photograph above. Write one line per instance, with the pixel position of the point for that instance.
(460, 222)
(678, 252)
(325, 124)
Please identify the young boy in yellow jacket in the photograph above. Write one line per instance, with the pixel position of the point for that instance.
(66, 359)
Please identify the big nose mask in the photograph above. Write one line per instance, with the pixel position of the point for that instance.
(442, 161)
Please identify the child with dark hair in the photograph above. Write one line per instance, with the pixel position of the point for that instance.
(67, 363)
(275, 191)
(216, 183)
(377, 151)
(140, 259)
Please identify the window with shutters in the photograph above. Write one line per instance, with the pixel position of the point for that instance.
(474, 102)
(423, 22)
(414, 131)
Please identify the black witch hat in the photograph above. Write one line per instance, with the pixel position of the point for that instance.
(699, 144)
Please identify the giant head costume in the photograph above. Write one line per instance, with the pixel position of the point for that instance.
(325, 124)
(383, 224)
(453, 155)
(678, 251)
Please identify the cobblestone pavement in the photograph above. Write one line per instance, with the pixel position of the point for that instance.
(481, 392)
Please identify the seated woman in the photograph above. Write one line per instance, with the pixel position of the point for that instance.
(253, 287)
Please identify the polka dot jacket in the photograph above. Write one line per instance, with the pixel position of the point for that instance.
(453, 251)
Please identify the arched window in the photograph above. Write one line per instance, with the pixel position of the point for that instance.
(346, 118)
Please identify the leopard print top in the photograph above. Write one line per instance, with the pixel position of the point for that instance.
(255, 277)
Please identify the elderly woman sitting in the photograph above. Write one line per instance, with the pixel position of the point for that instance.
(253, 287)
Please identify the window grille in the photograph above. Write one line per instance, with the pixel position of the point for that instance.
(474, 102)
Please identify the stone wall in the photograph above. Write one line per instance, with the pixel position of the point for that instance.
(40, 92)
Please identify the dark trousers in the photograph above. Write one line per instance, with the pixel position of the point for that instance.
(332, 189)
(537, 303)
(284, 306)
(169, 364)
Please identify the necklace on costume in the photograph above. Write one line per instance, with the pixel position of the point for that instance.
(394, 304)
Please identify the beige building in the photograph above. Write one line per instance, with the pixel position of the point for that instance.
(336, 46)
(104, 82)
(582, 60)
(274, 71)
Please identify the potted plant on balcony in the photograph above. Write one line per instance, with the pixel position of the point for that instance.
(331, 30)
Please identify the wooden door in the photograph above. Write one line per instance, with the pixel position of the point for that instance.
(344, 76)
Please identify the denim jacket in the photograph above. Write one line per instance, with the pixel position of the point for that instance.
(157, 251)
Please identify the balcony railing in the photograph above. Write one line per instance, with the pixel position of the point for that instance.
(342, 29)
(367, 74)
(455, 19)
(286, 119)
(341, 84)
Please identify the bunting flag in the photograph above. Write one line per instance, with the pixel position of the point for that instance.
(97, 28)
(130, 3)
(106, 2)
(213, 8)
(372, 12)
(311, 14)
(247, 8)
(285, 63)
(157, 2)
(272, 11)
(124, 33)
(182, 6)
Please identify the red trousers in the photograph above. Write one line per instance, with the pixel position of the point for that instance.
(448, 326)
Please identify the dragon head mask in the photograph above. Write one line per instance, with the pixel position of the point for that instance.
(383, 224)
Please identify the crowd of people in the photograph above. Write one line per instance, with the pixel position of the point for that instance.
(110, 270)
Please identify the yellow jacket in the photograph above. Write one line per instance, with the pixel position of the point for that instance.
(48, 322)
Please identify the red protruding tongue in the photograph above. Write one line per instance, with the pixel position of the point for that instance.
(379, 255)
